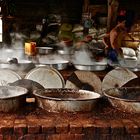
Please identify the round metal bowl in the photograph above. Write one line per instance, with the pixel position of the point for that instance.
(66, 100)
(12, 98)
(126, 99)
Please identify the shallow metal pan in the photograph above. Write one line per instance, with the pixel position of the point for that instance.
(66, 100)
(126, 99)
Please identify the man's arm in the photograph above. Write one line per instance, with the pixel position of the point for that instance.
(106, 39)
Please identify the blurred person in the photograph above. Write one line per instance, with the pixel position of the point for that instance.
(113, 40)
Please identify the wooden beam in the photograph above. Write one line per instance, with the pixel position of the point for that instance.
(112, 13)
(85, 6)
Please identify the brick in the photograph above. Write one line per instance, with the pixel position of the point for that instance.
(6, 130)
(48, 128)
(10, 137)
(102, 127)
(27, 137)
(7, 122)
(130, 126)
(1, 137)
(41, 137)
(136, 137)
(136, 121)
(117, 127)
(78, 137)
(118, 137)
(10, 117)
(6, 127)
(54, 137)
(20, 129)
(76, 128)
(127, 137)
(89, 131)
(33, 129)
(105, 137)
(62, 128)
(66, 137)
(20, 121)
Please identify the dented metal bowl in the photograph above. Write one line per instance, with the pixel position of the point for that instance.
(66, 100)
(126, 99)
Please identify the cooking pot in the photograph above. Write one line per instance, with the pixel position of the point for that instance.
(44, 50)
(97, 66)
(126, 99)
(57, 64)
(66, 100)
(90, 67)
(12, 98)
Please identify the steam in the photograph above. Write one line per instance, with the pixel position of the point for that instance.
(15, 49)
(6, 53)
(52, 59)
(17, 40)
(83, 57)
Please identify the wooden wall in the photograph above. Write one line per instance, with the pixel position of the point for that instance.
(70, 10)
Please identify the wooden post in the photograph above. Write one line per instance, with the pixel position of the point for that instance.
(85, 6)
(112, 13)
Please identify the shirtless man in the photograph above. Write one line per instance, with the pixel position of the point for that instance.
(113, 41)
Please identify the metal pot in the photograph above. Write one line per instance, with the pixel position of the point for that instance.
(66, 100)
(65, 52)
(44, 50)
(96, 67)
(12, 98)
(57, 64)
(126, 99)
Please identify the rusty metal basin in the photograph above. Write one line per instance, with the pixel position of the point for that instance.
(126, 99)
(66, 100)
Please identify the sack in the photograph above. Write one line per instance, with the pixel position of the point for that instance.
(128, 51)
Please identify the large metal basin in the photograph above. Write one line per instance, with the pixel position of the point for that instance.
(126, 99)
(66, 100)
(12, 98)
